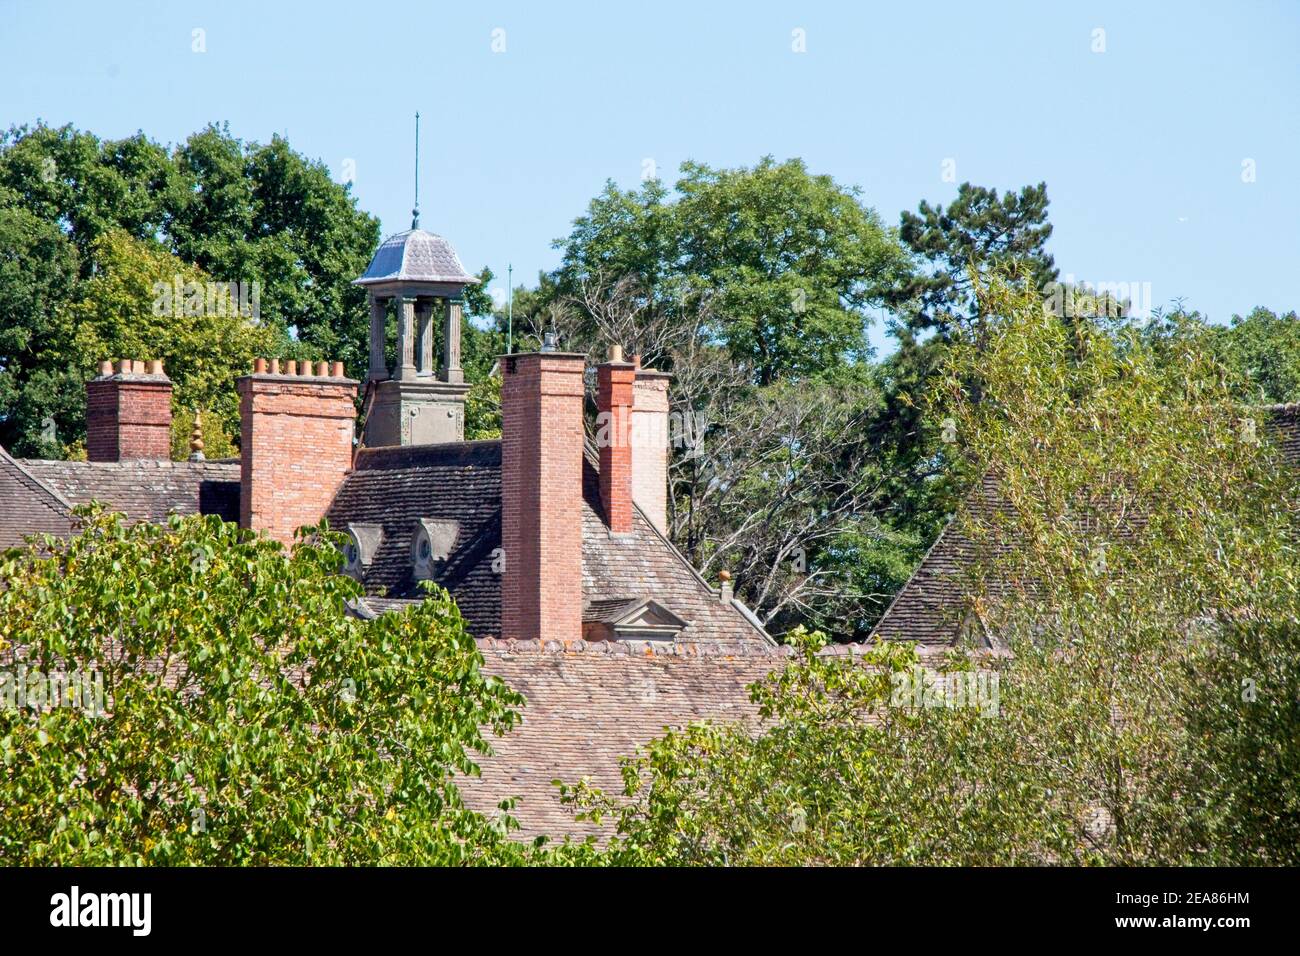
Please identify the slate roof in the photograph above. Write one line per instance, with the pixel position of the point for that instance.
(461, 481)
(28, 506)
(146, 490)
(415, 256)
(395, 487)
(930, 608)
(589, 704)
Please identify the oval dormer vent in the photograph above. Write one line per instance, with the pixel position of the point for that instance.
(360, 547)
(431, 545)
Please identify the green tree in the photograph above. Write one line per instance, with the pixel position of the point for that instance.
(1134, 581)
(789, 260)
(130, 307)
(753, 286)
(264, 213)
(247, 719)
(38, 273)
(1263, 351)
(239, 212)
(976, 234)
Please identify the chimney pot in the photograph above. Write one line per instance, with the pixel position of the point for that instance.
(291, 367)
(275, 366)
(196, 438)
(259, 366)
(105, 369)
(155, 367)
(323, 369)
(616, 353)
(336, 371)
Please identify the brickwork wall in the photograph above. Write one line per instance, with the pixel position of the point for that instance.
(650, 446)
(296, 447)
(613, 438)
(541, 496)
(129, 415)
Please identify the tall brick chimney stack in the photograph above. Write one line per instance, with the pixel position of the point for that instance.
(129, 412)
(541, 495)
(296, 427)
(614, 380)
(650, 445)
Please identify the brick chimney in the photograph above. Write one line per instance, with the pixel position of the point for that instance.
(650, 445)
(541, 495)
(129, 412)
(614, 381)
(296, 426)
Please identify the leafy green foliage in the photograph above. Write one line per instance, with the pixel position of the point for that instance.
(1263, 350)
(72, 204)
(1136, 579)
(38, 272)
(248, 719)
(975, 235)
(115, 315)
(789, 260)
(843, 774)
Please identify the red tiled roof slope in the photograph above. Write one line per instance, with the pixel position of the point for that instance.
(591, 703)
(28, 505)
(930, 607)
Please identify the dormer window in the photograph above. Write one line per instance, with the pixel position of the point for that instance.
(431, 546)
(360, 547)
(630, 619)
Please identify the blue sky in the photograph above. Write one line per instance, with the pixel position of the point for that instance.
(1142, 146)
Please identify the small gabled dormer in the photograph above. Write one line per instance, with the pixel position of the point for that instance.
(630, 619)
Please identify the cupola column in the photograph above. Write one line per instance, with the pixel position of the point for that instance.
(378, 332)
(405, 338)
(424, 322)
(451, 370)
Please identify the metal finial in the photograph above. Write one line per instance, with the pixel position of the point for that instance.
(415, 213)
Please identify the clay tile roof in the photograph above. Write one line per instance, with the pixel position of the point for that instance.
(28, 505)
(1284, 423)
(397, 487)
(589, 704)
(930, 607)
(146, 490)
(612, 610)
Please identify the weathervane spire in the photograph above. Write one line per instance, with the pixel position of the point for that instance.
(415, 213)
